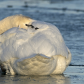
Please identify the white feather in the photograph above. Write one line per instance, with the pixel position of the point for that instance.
(22, 49)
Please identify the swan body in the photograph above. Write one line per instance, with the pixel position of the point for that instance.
(36, 49)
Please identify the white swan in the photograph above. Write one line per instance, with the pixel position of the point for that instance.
(38, 49)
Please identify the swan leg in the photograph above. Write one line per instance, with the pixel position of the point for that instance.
(7, 69)
(11, 71)
(2, 69)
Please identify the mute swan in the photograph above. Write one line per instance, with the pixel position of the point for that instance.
(31, 47)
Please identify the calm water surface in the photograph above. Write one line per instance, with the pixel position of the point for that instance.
(68, 16)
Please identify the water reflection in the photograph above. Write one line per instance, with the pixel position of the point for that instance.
(53, 79)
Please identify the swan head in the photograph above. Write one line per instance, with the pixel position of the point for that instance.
(23, 21)
(20, 21)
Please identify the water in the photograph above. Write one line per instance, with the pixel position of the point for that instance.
(68, 16)
(73, 75)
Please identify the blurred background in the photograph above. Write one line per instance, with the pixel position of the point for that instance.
(67, 15)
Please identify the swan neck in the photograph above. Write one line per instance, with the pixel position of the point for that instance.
(7, 23)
